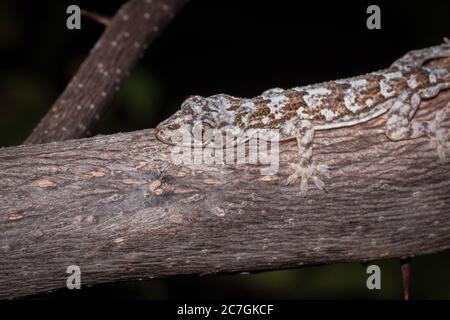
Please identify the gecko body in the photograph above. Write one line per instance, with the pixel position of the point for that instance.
(298, 112)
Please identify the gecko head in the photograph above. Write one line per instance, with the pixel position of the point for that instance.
(192, 121)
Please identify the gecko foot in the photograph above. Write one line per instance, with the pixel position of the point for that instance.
(306, 172)
(440, 135)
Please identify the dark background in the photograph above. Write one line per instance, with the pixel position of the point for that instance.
(223, 46)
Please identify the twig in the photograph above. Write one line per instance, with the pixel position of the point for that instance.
(405, 266)
(96, 17)
(94, 85)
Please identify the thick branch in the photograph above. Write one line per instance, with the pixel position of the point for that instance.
(120, 209)
(92, 88)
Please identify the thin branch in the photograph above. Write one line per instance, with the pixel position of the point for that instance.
(119, 208)
(405, 266)
(96, 17)
(91, 90)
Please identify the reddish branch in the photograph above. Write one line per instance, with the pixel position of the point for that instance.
(96, 17)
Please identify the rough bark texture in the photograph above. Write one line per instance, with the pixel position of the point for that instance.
(94, 85)
(120, 209)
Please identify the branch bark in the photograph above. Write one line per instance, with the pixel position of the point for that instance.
(120, 209)
(91, 90)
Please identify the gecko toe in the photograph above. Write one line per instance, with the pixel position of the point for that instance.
(442, 145)
(319, 183)
(291, 179)
(308, 173)
(324, 169)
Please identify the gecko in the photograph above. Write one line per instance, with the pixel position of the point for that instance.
(299, 112)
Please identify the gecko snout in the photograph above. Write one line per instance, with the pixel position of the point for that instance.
(172, 130)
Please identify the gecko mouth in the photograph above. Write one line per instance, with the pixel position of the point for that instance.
(180, 130)
(200, 135)
(170, 130)
(161, 137)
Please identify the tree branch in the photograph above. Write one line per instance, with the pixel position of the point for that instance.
(96, 17)
(120, 209)
(91, 90)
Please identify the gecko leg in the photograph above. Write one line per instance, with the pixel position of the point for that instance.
(305, 169)
(401, 126)
(417, 58)
(441, 135)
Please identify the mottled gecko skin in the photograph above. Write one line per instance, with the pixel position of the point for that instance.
(299, 111)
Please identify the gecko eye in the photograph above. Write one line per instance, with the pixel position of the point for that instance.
(202, 132)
